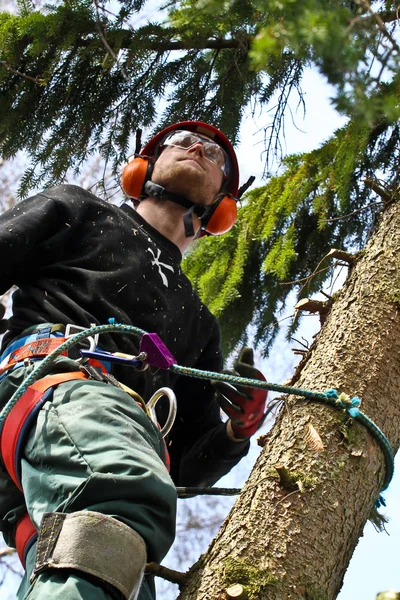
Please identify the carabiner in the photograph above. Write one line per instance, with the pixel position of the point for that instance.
(151, 404)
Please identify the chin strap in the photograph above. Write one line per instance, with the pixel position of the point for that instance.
(157, 191)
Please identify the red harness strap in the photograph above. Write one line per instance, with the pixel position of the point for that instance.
(12, 437)
(25, 537)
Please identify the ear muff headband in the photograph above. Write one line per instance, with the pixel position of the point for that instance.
(223, 217)
(135, 175)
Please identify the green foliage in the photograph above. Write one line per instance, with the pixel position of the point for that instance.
(75, 78)
(285, 229)
(352, 44)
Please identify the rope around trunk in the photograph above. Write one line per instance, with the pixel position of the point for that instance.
(330, 397)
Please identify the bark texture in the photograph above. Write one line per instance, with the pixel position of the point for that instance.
(306, 537)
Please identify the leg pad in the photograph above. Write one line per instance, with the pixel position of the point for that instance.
(95, 544)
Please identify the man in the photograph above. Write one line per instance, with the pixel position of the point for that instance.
(91, 466)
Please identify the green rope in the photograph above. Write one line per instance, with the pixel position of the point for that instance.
(331, 397)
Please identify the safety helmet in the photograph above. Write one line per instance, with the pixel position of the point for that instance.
(215, 219)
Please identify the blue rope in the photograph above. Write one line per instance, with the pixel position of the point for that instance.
(330, 397)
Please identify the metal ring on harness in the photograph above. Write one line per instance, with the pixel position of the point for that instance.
(151, 404)
(71, 330)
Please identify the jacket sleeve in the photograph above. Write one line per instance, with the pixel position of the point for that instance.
(200, 450)
(22, 229)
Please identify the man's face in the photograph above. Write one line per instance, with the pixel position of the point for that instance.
(187, 172)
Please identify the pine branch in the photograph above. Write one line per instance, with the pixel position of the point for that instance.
(386, 196)
(376, 16)
(219, 44)
(34, 79)
(389, 16)
(165, 44)
(102, 33)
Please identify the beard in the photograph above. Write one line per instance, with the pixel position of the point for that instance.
(190, 181)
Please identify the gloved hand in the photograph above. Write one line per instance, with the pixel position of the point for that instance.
(244, 405)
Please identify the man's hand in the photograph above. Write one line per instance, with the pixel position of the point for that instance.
(244, 405)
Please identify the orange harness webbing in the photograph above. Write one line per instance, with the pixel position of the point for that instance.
(12, 436)
(32, 349)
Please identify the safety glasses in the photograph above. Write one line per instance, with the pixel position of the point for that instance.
(212, 152)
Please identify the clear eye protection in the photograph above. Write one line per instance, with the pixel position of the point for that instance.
(212, 151)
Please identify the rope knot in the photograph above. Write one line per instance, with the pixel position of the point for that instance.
(354, 410)
(332, 394)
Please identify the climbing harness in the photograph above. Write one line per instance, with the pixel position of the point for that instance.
(22, 414)
(153, 352)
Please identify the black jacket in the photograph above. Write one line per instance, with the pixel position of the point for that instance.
(78, 259)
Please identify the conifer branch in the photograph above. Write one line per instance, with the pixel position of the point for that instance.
(341, 255)
(102, 33)
(389, 16)
(313, 306)
(316, 272)
(365, 4)
(305, 344)
(211, 44)
(34, 79)
(165, 44)
(384, 194)
(358, 210)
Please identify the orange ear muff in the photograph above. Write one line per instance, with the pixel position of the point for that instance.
(134, 176)
(223, 218)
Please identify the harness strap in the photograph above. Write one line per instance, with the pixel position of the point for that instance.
(40, 347)
(12, 437)
(21, 417)
(25, 537)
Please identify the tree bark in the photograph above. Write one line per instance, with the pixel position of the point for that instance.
(306, 537)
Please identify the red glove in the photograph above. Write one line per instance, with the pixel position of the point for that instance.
(244, 405)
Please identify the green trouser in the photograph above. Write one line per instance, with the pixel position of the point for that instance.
(93, 448)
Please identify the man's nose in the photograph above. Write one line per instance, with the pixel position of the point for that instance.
(197, 148)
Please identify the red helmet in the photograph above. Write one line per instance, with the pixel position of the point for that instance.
(223, 213)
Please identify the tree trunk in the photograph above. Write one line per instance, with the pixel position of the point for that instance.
(305, 537)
